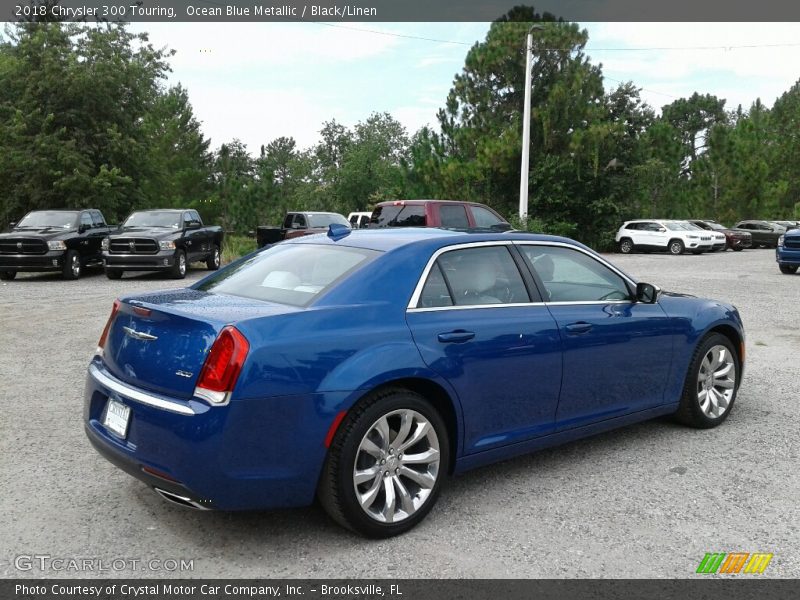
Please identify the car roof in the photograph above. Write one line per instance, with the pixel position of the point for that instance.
(389, 239)
(427, 201)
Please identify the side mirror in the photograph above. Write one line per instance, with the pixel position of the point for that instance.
(12, 224)
(647, 293)
(662, 229)
(83, 228)
(192, 225)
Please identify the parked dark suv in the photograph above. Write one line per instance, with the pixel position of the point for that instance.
(453, 214)
(764, 234)
(735, 239)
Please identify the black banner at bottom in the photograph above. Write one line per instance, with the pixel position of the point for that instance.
(727, 588)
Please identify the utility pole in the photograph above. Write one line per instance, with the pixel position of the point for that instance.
(526, 128)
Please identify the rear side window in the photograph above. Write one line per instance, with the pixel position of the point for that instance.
(402, 215)
(484, 217)
(634, 226)
(453, 215)
(292, 274)
(474, 277)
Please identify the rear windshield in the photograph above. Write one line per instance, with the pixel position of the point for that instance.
(49, 218)
(399, 215)
(292, 274)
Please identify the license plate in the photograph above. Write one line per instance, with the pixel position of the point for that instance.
(117, 417)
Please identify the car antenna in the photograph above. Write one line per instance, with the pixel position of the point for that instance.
(337, 231)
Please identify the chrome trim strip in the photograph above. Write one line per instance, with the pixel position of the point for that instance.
(137, 395)
(470, 306)
(412, 305)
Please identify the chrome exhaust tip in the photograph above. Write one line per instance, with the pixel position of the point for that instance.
(179, 500)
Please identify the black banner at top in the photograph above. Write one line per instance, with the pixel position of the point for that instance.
(393, 10)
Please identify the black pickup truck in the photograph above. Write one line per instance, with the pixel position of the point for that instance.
(161, 240)
(53, 240)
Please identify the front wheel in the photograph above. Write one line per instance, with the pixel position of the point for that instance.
(113, 273)
(737, 248)
(386, 463)
(787, 270)
(72, 265)
(180, 266)
(7, 275)
(212, 262)
(676, 247)
(711, 383)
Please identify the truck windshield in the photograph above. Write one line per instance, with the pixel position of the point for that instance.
(154, 218)
(320, 220)
(291, 274)
(49, 218)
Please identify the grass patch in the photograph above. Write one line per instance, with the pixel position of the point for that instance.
(235, 246)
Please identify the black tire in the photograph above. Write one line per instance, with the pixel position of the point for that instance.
(690, 411)
(787, 270)
(626, 245)
(73, 267)
(336, 490)
(181, 265)
(114, 273)
(737, 248)
(212, 262)
(7, 275)
(675, 247)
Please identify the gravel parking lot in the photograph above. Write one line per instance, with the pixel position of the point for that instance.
(645, 501)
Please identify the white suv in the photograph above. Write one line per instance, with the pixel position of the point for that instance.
(675, 237)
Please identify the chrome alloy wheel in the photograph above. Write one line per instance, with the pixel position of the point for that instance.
(396, 466)
(182, 264)
(716, 381)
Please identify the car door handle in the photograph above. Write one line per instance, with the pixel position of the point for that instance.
(579, 327)
(456, 337)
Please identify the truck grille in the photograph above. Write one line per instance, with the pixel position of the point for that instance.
(792, 242)
(23, 246)
(133, 246)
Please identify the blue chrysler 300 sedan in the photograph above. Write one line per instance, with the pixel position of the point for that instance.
(364, 367)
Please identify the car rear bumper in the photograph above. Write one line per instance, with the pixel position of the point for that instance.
(52, 261)
(161, 261)
(740, 242)
(249, 454)
(789, 257)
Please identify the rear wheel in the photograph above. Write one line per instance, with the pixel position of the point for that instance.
(676, 247)
(626, 246)
(180, 266)
(787, 270)
(72, 265)
(113, 273)
(7, 275)
(385, 466)
(711, 383)
(212, 262)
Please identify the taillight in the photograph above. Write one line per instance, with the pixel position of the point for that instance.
(222, 367)
(102, 343)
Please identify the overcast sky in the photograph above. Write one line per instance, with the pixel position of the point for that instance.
(258, 81)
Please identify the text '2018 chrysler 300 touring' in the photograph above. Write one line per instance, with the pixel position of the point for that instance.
(362, 367)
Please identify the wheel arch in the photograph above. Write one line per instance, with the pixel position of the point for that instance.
(434, 393)
(733, 335)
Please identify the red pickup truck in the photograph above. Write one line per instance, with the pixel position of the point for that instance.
(454, 214)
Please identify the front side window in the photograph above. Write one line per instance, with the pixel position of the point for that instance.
(653, 227)
(86, 220)
(473, 277)
(97, 218)
(572, 276)
(291, 274)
